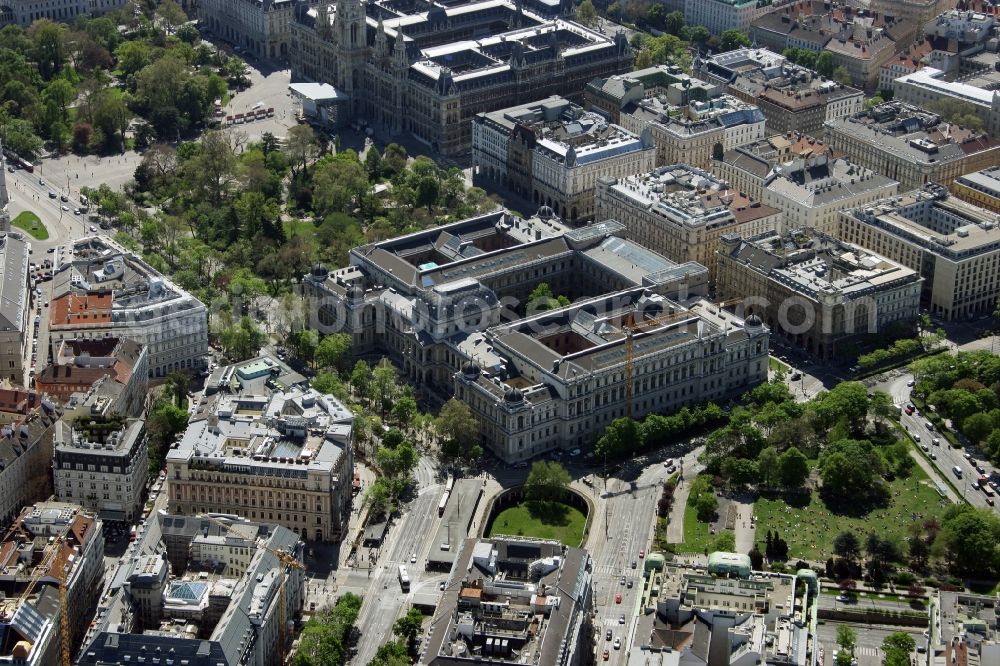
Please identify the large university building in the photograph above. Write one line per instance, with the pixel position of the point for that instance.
(450, 306)
(429, 73)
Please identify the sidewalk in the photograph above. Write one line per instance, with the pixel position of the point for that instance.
(675, 522)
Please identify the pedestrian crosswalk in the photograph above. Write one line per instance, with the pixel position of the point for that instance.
(615, 570)
(866, 651)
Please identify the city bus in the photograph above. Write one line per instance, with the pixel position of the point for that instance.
(404, 579)
(444, 503)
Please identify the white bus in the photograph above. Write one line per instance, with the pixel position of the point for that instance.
(451, 484)
(443, 503)
(404, 579)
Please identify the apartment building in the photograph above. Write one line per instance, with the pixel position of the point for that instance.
(727, 613)
(681, 211)
(199, 612)
(815, 291)
(102, 464)
(119, 365)
(260, 27)
(910, 145)
(721, 15)
(860, 40)
(450, 306)
(17, 403)
(537, 595)
(552, 152)
(929, 85)
(284, 456)
(50, 545)
(979, 188)
(104, 290)
(792, 98)
(918, 11)
(26, 458)
(906, 62)
(15, 306)
(609, 95)
(429, 72)
(812, 190)
(690, 133)
(804, 178)
(954, 245)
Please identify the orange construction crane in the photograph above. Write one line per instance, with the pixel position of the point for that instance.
(287, 560)
(67, 659)
(630, 329)
(43, 568)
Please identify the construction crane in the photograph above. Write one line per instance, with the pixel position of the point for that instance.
(630, 329)
(67, 659)
(43, 568)
(286, 560)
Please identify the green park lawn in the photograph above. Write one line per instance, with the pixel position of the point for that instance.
(545, 520)
(299, 228)
(810, 529)
(29, 222)
(697, 538)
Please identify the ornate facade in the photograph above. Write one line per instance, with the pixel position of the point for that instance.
(428, 69)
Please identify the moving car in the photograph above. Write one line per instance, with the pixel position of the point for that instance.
(607, 636)
(618, 598)
(618, 643)
(642, 553)
(623, 580)
(621, 619)
(607, 655)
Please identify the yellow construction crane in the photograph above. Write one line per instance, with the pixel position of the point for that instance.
(286, 559)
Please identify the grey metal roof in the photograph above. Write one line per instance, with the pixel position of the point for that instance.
(14, 251)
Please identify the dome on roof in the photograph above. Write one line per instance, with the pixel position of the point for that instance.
(546, 212)
(470, 369)
(753, 321)
(513, 395)
(355, 293)
(320, 271)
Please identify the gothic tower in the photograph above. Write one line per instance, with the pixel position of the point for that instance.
(352, 46)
